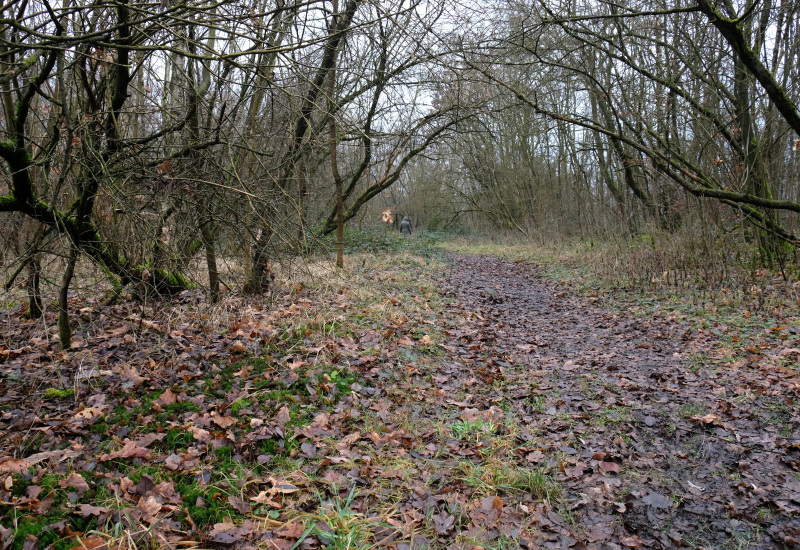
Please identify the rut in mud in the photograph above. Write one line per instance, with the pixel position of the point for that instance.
(651, 448)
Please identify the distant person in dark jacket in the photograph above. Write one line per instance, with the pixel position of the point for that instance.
(405, 226)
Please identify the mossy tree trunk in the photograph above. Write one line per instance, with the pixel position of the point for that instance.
(103, 140)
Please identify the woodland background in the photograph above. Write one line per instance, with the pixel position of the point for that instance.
(158, 141)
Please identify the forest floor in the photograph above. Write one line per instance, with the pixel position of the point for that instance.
(415, 399)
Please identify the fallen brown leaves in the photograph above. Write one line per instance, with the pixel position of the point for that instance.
(638, 430)
(517, 413)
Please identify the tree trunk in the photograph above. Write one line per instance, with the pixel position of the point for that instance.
(209, 242)
(64, 330)
(35, 306)
(261, 276)
(337, 179)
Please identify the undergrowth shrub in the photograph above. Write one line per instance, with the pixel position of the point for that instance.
(726, 268)
(378, 240)
(714, 263)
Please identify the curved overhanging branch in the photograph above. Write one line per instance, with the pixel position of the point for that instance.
(735, 37)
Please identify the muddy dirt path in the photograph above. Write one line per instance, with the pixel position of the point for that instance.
(651, 447)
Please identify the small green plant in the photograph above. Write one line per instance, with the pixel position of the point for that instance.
(339, 527)
(535, 401)
(540, 485)
(687, 410)
(502, 542)
(698, 361)
(466, 429)
(777, 406)
(496, 476)
(610, 415)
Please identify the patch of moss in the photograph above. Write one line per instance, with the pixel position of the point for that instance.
(240, 404)
(270, 447)
(214, 507)
(341, 378)
(259, 364)
(120, 415)
(18, 489)
(182, 407)
(263, 384)
(158, 474)
(300, 417)
(291, 445)
(100, 428)
(35, 525)
(49, 482)
(279, 396)
(171, 282)
(224, 453)
(56, 393)
(177, 438)
(221, 383)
